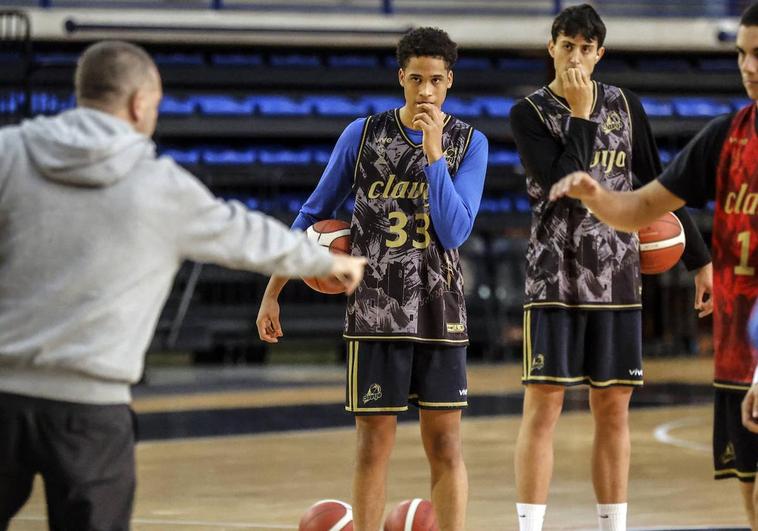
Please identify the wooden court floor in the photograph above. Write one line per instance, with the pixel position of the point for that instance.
(266, 481)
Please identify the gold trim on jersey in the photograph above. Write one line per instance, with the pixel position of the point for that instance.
(536, 109)
(629, 117)
(557, 98)
(556, 304)
(407, 338)
(401, 127)
(360, 149)
(732, 387)
(732, 472)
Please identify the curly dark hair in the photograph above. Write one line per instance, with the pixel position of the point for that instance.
(427, 42)
(579, 20)
(750, 16)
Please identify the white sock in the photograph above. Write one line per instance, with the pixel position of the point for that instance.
(611, 516)
(530, 516)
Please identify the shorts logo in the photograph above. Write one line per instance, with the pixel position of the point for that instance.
(538, 363)
(728, 454)
(456, 328)
(374, 393)
(635, 372)
(463, 392)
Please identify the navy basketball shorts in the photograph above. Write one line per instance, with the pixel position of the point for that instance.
(383, 377)
(566, 347)
(735, 449)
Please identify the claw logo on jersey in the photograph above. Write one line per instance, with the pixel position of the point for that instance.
(374, 393)
(451, 155)
(728, 454)
(612, 122)
(538, 363)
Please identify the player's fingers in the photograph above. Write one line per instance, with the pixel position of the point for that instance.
(706, 308)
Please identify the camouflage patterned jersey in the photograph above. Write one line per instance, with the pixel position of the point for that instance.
(575, 260)
(413, 287)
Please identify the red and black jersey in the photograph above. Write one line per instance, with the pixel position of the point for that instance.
(721, 163)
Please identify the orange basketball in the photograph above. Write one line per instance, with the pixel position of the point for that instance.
(661, 244)
(412, 515)
(327, 515)
(334, 234)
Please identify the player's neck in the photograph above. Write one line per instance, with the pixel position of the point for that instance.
(406, 118)
(556, 87)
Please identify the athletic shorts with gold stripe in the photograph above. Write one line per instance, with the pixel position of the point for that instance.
(565, 346)
(735, 449)
(383, 377)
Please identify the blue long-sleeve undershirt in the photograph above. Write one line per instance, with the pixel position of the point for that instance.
(453, 203)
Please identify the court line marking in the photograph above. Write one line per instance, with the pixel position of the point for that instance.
(199, 523)
(662, 433)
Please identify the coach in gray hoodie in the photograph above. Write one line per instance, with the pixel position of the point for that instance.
(93, 228)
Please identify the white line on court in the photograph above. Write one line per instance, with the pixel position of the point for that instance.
(662, 434)
(189, 523)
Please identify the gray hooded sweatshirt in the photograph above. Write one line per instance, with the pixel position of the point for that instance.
(93, 228)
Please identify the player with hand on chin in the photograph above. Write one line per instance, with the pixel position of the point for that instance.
(417, 174)
(721, 164)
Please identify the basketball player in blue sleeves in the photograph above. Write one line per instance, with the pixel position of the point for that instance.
(582, 318)
(418, 176)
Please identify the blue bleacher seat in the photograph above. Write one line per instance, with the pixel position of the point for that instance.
(320, 154)
(281, 155)
(55, 58)
(699, 107)
(739, 103)
(281, 106)
(503, 157)
(237, 59)
(377, 104)
(49, 103)
(176, 105)
(462, 108)
(657, 108)
(223, 156)
(473, 63)
(178, 59)
(337, 106)
(295, 60)
(522, 204)
(353, 61)
(496, 106)
(716, 65)
(522, 64)
(183, 156)
(615, 64)
(225, 105)
(390, 61)
(666, 156)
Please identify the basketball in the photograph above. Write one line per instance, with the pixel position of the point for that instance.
(327, 515)
(412, 515)
(334, 234)
(661, 244)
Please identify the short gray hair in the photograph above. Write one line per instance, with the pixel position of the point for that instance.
(108, 72)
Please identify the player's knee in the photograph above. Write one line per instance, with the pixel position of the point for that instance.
(374, 445)
(445, 449)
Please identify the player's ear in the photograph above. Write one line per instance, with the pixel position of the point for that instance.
(551, 48)
(449, 78)
(600, 53)
(401, 77)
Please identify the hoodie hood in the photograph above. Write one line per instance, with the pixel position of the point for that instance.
(84, 147)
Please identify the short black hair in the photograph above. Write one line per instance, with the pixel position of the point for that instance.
(750, 16)
(427, 42)
(579, 20)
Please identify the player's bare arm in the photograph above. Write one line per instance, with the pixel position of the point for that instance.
(625, 211)
(431, 121)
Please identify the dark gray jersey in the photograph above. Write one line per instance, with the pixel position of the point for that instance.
(573, 258)
(413, 287)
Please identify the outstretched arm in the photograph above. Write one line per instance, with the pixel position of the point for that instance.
(625, 211)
